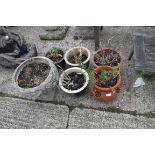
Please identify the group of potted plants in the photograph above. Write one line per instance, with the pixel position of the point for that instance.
(106, 74)
(73, 66)
(74, 80)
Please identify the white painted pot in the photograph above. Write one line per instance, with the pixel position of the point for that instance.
(50, 82)
(70, 70)
(76, 50)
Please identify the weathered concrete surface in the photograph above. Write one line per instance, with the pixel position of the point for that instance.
(141, 99)
(17, 113)
(84, 32)
(91, 119)
(58, 34)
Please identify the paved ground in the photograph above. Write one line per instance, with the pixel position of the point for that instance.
(127, 111)
(17, 113)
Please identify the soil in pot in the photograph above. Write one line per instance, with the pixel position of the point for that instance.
(107, 58)
(33, 75)
(74, 81)
(77, 58)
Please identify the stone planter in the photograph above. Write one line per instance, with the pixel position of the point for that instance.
(71, 70)
(75, 50)
(33, 93)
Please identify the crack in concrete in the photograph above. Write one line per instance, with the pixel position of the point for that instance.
(70, 110)
(150, 114)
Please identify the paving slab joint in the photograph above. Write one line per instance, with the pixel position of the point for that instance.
(118, 110)
(70, 110)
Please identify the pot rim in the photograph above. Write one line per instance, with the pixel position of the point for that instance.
(103, 50)
(74, 69)
(23, 64)
(76, 65)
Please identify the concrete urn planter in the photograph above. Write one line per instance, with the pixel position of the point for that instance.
(33, 93)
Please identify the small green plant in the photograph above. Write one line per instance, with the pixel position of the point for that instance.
(102, 77)
(92, 80)
(106, 75)
(55, 53)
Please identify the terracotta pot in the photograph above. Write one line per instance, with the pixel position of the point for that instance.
(106, 94)
(106, 50)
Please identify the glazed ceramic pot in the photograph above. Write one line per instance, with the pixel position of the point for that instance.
(74, 51)
(75, 70)
(61, 61)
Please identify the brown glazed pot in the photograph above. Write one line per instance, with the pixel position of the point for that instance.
(106, 94)
(106, 50)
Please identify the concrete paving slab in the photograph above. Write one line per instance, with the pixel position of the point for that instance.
(94, 119)
(22, 114)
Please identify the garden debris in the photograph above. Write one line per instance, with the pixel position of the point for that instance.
(74, 81)
(58, 34)
(14, 49)
(139, 82)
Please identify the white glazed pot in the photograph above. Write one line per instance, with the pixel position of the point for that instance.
(70, 70)
(76, 50)
(50, 82)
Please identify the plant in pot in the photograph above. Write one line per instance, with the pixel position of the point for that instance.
(104, 82)
(57, 56)
(107, 57)
(34, 76)
(74, 80)
(107, 83)
(74, 56)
